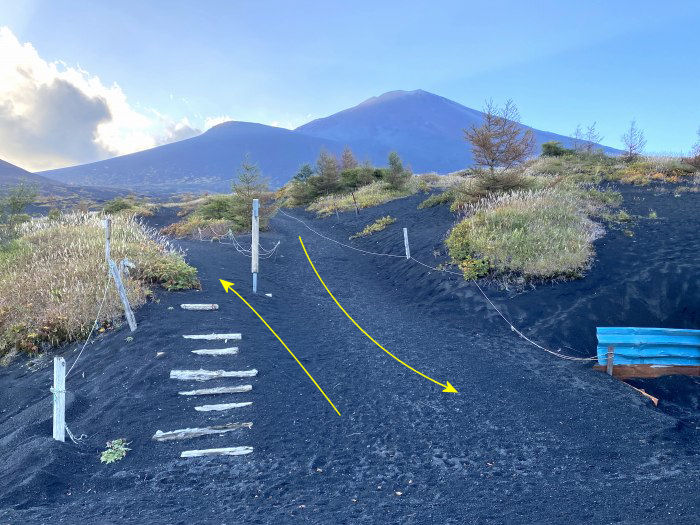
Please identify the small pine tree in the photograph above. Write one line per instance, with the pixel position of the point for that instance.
(348, 161)
(328, 173)
(396, 175)
(250, 185)
(304, 173)
(634, 141)
(592, 137)
(500, 141)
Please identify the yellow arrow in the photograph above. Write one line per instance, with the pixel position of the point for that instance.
(447, 386)
(229, 286)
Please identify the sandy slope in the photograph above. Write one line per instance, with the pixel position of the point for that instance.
(529, 438)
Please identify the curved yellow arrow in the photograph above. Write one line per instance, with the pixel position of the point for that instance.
(229, 286)
(447, 386)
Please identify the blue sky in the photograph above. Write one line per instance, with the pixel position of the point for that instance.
(285, 63)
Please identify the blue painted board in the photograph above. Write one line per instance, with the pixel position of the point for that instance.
(649, 346)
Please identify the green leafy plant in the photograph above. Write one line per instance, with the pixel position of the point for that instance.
(116, 450)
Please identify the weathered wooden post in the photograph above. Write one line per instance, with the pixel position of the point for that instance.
(59, 399)
(405, 243)
(254, 245)
(116, 275)
(610, 359)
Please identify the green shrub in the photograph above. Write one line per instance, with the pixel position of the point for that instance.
(376, 226)
(396, 176)
(539, 234)
(116, 450)
(554, 148)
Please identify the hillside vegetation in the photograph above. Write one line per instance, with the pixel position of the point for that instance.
(53, 277)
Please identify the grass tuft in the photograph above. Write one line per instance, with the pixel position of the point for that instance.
(376, 226)
(538, 234)
(52, 277)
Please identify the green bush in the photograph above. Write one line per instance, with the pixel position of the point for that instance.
(117, 205)
(554, 148)
(436, 199)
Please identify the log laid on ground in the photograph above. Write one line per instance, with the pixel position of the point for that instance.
(230, 451)
(218, 390)
(199, 306)
(217, 351)
(188, 433)
(222, 406)
(214, 337)
(206, 375)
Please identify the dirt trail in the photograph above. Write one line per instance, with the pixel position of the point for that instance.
(529, 438)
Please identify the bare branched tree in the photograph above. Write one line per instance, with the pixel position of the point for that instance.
(696, 147)
(579, 141)
(634, 141)
(592, 137)
(500, 141)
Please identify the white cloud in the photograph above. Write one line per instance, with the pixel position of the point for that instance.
(53, 115)
(210, 122)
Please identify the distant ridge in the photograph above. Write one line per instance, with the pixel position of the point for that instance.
(425, 129)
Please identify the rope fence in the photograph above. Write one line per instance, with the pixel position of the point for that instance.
(481, 290)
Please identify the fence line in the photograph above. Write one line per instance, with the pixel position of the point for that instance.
(498, 311)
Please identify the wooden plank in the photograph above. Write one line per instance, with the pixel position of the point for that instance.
(218, 390)
(189, 433)
(59, 399)
(649, 371)
(214, 337)
(194, 306)
(206, 375)
(129, 314)
(222, 406)
(217, 351)
(229, 451)
(610, 360)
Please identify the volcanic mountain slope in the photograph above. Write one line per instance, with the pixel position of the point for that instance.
(425, 129)
(206, 162)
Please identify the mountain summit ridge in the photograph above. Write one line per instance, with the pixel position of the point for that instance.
(425, 129)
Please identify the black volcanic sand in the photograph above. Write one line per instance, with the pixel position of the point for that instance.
(530, 438)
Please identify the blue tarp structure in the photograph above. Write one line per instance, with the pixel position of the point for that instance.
(649, 346)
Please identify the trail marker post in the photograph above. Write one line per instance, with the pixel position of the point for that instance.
(254, 244)
(609, 363)
(59, 399)
(405, 243)
(116, 275)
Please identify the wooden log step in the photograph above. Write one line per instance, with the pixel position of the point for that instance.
(222, 406)
(218, 390)
(188, 433)
(214, 337)
(199, 306)
(206, 375)
(217, 351)
(230, 451)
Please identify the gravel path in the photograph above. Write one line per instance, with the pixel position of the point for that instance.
(529, 438)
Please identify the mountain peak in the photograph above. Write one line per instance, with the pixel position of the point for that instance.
(393, 95)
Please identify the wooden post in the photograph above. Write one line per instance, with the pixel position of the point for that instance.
(254, 245)
(610, 360)
(116, 275)
(108, 237)
(405, 243)
(59, 399)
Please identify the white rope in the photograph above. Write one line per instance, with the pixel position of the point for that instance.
(338, 242)
(512, 327)
(99, 311)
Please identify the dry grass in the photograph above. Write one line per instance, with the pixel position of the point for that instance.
(377, 226)
(52, 277)
(538, 234)
(367, 196)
